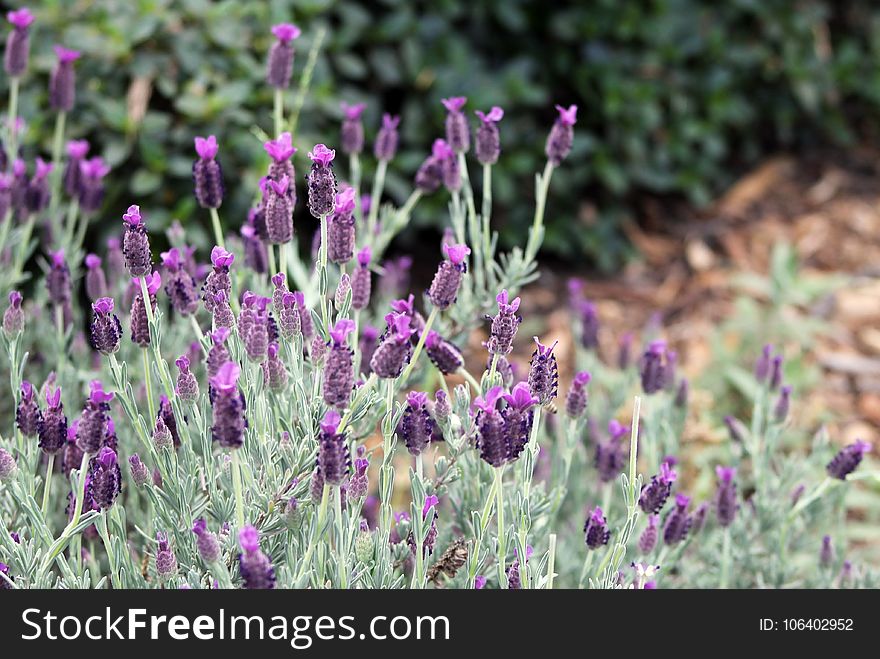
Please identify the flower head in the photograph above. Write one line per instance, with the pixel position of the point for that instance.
(21, 18)
(286, 32)
(206, 147)
(320, 154)
(280, 149)
(66, 55)
(567, 116)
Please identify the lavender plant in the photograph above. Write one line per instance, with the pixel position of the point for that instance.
(269, 457)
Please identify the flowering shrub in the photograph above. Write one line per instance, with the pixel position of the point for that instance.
(266, 455)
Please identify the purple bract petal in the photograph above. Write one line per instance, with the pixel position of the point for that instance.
(322, 155)
(206, 147)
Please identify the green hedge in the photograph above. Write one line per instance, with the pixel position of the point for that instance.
(676, 96)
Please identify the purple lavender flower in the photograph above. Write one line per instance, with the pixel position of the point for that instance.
(306, 323)
(37, 194)
(334, 461)
(561, 136)
(783, 404)
(449, 168)
(429, 176)
(274, 370)
(72, 456)
(444, 287)
(58, 280)
(140, 326)
(62, 83)
(678, 522)
(596, 533)
(72, 177)
(339, 366)
(367, 344)
(187, 387)
(762, 365)
(255, 255)
(91, 432)
(106, 330)
(385, 147)
(504, 325)
(654, 367)
(218, 280)
(358, 484)
(136, 244)
(288, 317)
(279, 67)
(725, 496)
(278, 206)
(416, 426)
(255, 568)
(180, 287)
(655, 493)
(443, 354)
(847, 460)
(28, 416)
(442, 406)
(91, 186)
(166, 561)
(13, 317)
(457, 130)
(479, 582)
(104, 480)
(735, 429)
(8, 468)
(166, 414)
(576, 399)
(228, 418)
(826, 554)
(648, 538)
(518, 419)
(700, 515)
(492, 438)
(139, 473)
(96, 282)
(15, 60)
(281, 150)
(361, 280)
(681, 395)
(207, 174)
(395, 350)
(253, 326)
(406, 306)
(543, 372)
(609, 460)
(775, 373)
(340, 228)
(488, 140)
(206, 542)
(352, 134)
(322, 181)
(52, 428)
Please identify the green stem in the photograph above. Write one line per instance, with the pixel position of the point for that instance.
(278, 113)
(322, 515)
(342, 554)
(375, 199)
(725, 561)
(585, 570)
(47, 487)
(148, 385)
(322, 275)
(551, 562)
(218, 229)
(237, 489)
(502, 535)
(282, 258)
(57, 145)
(421, 344)
(537, 231)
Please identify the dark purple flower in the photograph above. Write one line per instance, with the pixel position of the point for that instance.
(255, 568)
(450, 170)
(395, 350)
(72, 177)
(416, 426)
(846, 461)
(136, 244)
(218, 279)
(725, 496)
(504, 325)
(596, 533)
(91, 187)
(180, 287)
(775, 373)
(826, 554)
(58, 280)
(206, 542)
(339, 366)
(96, 282)
(444, 287)
(700, 515)
(28, 415)
(187, 387)
(278, 209)
(358, 484)
(561, 136)
(13, 317)
(288, 317)
(340, 228)
(361, 280)
(52, 428)
(576, 399)
(762, 365)
(488, 140)
(91, 432)
(38, 194)
(322, 181)
(367, 344)
(655, 493)
(783, 404)
(457, 130)
(274, 370)
(491, 438)
(610, 455)
(104, 480)
(140, 326)
(678, 522)
(352, 134)
(166, 561)
(166, 414)
(15, 60)
(255, 255)
(443, 354)
(429, 176)
(735, 429)
(229, 421)
(106, 330)
(222, 315)
(72, 456)
(648, 538)
(62, 83)
(334, 461)
(207, 174)
(8, 467)
(385, 147)
(279, 67)
(654, 367)
(139, 473)
(518, 419)
(543, 372)
(681, 395)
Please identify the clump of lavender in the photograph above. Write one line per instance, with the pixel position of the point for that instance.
(443, 354)
(492, 439)
(279, 67)
(543, 373)
(596, 532)
(52, 427)
(351, 136)
(15, 59)
(678, 522)
(140, 325)
(322, 181)
(94, 422)
(256, 569)
(504, 325)
(395, 350)
(361, 280)
(561, 136)
(444, 287)
(228, 413)
(518, 419)
(457, 130)
(334, 461)
(339, 366)
(180, 287)
(136, 243)
(340, 228)
(106, 330)
(104, 480)
(218, 279)
(416, 426)
(488, 140)
(207, 174)
(576, 399)
(385, 147)
(13, 317)
(62, 83)
(28, 415)
(654, 367)
(725, 496)
(847, 460)
(655, 493)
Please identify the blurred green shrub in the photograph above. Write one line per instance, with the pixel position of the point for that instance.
(676, 96)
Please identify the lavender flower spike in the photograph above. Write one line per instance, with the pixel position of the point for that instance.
(279, 67)
(322, 181)
(847, 460)
(385, 147)
(187, 387)
(207, 174)
(488, 140)
(340, 228)
(561, 136)
(518, 419)
(576, 399)
(136, 244)
(104, 480)
(352, 135)
(543, 372)
(229, 421)
(655, 493)
(106, 330)
(8, 467)
(654, 367)
(443, 354)
(28, 416)
(206, 542)
(444, 287)
(416, 426)
(334, 461)
(395, 350)
(278, 205)
(91, 188)
(648, 538)
(725, 496)
(491, 438)
(256, 569)
(53, 424)
(596, 533)
(678, 522)
(457, 130)
(361, 280)
(504, 325)
(62, 83)
(13, 317)
(339, 366)
(15, 59)
(166, 561)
